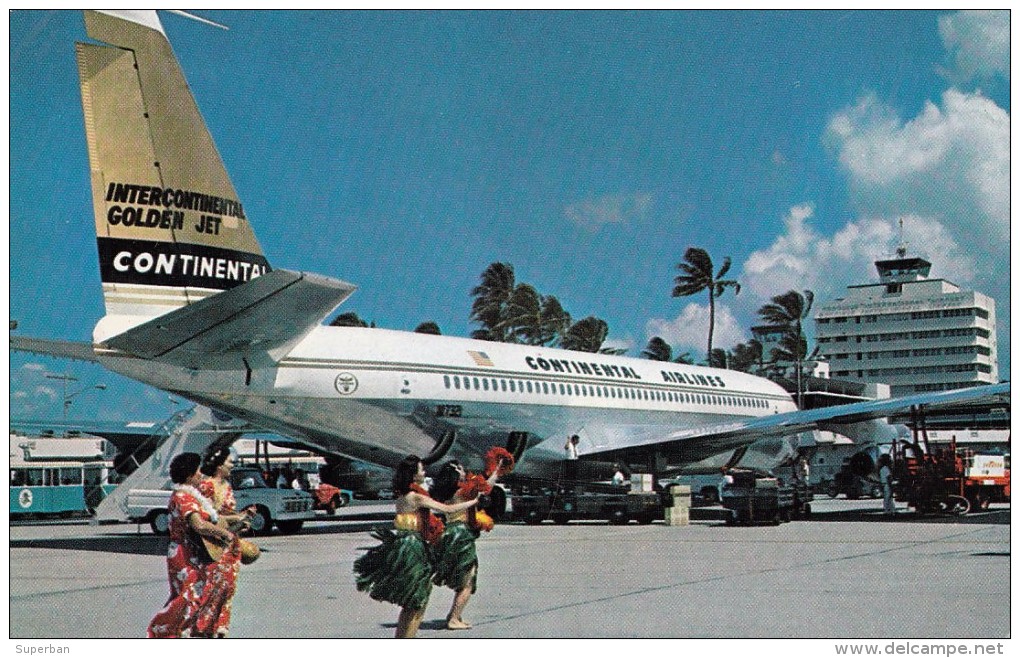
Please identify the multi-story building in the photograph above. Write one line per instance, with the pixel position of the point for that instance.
(912, 332)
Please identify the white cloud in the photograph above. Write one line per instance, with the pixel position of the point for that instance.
(977, 43)
(688, 332)
(803, 259)
(37, 367)
(592, 214)
(45, 391)
(950, 164)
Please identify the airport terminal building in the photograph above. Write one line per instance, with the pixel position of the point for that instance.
(915, 333)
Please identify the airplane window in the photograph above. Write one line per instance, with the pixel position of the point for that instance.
(446, 381)
(605, 391)
(456, 382)
(467, 383)
(529, 387)
(545, 388)
(477, 387)
(495, 385)
(502, 384)
(485, 384)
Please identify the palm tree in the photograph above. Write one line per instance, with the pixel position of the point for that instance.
(657, 350)
(349, 319)
(428, 328)
(697, 276)
(555, 321)
(685, 358)
(718, 358)
(585, 335)
(491, 298)
(789, 311)
(746, 355)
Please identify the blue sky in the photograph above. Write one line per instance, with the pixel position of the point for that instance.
(405, 151)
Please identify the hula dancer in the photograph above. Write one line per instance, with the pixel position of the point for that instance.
(456, 558)
(399, 570)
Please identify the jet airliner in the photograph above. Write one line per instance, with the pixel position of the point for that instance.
(194, 307)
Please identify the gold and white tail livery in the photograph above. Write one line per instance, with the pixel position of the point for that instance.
(170, 228)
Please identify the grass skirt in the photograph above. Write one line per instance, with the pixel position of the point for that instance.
(398, 570)
(456, 557)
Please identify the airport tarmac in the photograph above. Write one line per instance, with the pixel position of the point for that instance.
(846, 573)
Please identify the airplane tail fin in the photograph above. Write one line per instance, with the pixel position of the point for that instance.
(170, 228)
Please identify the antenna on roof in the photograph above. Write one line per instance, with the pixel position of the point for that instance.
(901, 250)
(197, 18)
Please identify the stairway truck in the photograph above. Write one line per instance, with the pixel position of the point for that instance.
(287, 509)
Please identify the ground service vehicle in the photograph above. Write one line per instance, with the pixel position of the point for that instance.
(287, 508)
(949, 479)
(613, 503)
(753, 498)
(329, 498)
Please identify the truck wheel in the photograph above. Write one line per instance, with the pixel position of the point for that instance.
(646, 518)
(289, 527)
(833, 491)
(497, 504)
(618, 517)
(532, 517)
(262, 522)
(345, 500)
(159, 521)
(978, 501)
(561, 519)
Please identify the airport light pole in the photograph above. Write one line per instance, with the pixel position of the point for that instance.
(68, 397)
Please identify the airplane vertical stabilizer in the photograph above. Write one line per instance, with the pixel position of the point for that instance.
(169, 225)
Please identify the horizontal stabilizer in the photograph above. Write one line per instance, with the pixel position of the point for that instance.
(62, 348)
(264, 317)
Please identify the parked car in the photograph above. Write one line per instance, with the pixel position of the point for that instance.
(288, 509)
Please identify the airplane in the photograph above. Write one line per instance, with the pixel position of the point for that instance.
(194, 308)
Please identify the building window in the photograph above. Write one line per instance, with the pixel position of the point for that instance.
(893, 288)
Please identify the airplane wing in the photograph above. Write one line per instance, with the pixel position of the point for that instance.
(703, 442)
(60, 348)
(265, 316)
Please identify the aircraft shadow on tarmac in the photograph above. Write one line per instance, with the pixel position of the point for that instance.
(133, 544)
(985, 517)
(999, 516)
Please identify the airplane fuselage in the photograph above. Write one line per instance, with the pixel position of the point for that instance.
(378, 395)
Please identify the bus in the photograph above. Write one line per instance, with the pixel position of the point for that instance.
(54, 477)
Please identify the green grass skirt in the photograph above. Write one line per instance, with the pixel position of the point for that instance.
(455, 557)
(398, 570)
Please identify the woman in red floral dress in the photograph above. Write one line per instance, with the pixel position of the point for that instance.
(200, 589)
(215, 485)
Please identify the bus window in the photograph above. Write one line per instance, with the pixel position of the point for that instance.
(70, 475)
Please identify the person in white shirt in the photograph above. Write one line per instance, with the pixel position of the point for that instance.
(885, 477)
(571, 447)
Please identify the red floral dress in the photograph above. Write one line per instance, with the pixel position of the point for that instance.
(200, 591)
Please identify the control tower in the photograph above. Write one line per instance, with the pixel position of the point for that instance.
(915, 333)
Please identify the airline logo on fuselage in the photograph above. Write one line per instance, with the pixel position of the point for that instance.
(618, 372)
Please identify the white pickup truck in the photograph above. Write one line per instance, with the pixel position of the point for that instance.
(287, 508)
